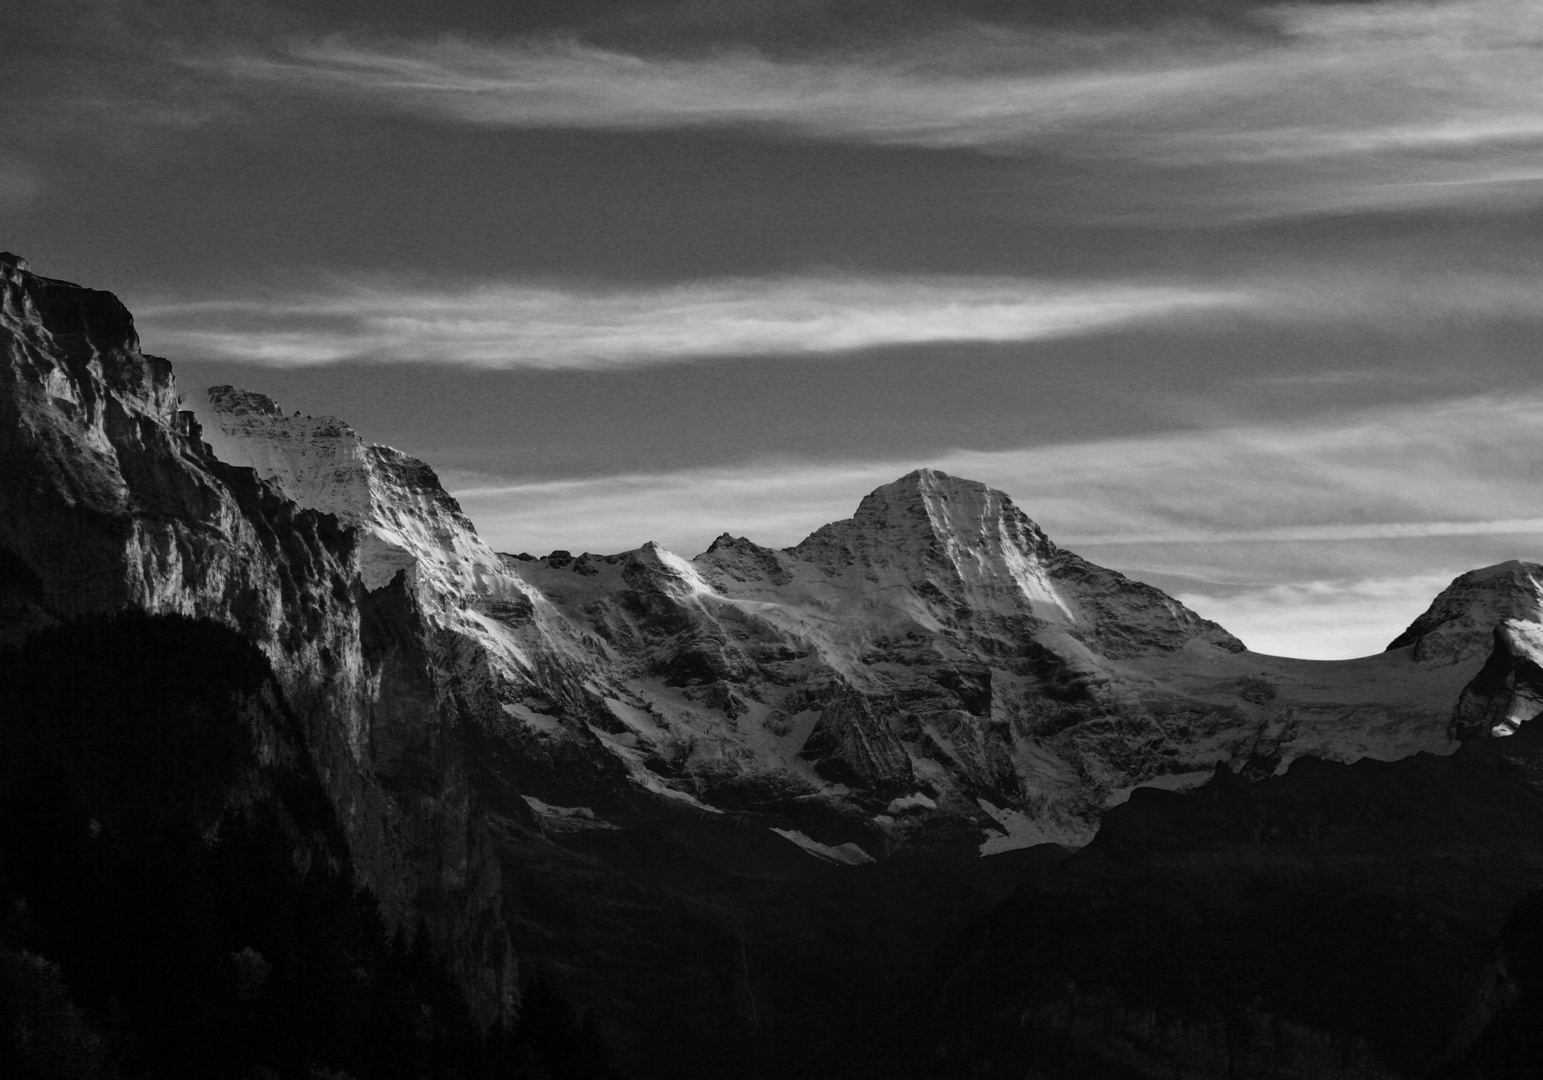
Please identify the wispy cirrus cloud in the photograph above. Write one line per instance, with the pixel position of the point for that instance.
(1281, 532)
(979, 87)
(510, 324)
(513, 325)
(1294, 534)
(1332, 107)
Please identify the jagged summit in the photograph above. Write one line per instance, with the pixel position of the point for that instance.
(933, 518)
(234, 401)
(1509, 568)
(928, 506)
(1459, 623)
(320, 462)
(407, 522)
(965, 553)
(75, 325)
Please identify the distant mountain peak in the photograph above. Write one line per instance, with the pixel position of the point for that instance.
(1514, 569)
(969, 553)
(931, 486)
(932, 514)
(935, 479)
(1459, 623)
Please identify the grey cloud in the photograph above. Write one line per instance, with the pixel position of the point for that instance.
(1345, 107)
(501, 325)
(513, 324)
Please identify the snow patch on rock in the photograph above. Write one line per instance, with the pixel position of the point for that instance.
(918, 801)
(567, 818)
(1021, 830)
(848, 854)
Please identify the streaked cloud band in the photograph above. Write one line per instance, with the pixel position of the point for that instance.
(511, 326)
(1293, 534)
(1336, 107)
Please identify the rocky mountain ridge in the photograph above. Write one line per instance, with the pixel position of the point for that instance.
(932, 666)
(511, 742)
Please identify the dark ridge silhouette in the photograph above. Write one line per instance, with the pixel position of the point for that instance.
(179, 900)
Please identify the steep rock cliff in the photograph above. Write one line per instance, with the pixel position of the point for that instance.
(1508, 690)
(110, 501)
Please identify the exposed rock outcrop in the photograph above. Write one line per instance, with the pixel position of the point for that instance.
(1456, 628)
(1508, 691)
(109, 500)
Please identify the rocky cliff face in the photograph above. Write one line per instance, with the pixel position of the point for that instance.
(1457, 627)
(1508, 691)
(110, 501)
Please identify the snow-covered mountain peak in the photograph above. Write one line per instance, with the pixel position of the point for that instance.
(235, 401)
(1459, 623)
(930, 520)
(927, 506)
(681, 574)
(319, 462)
(407, 521)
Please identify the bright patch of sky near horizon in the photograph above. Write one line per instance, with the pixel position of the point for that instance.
(1241, 299)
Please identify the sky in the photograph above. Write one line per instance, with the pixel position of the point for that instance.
(1240, 299)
